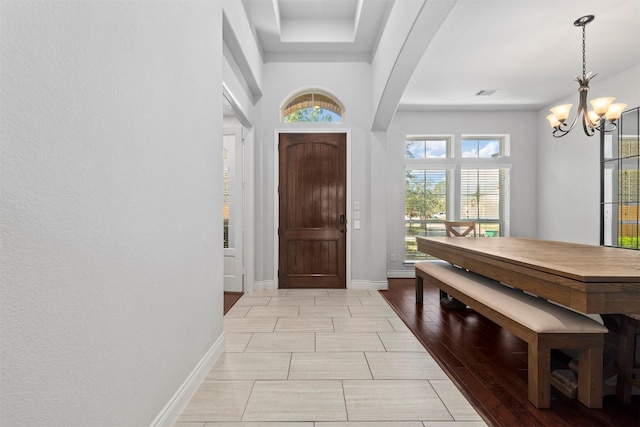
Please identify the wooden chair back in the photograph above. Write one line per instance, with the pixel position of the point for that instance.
(456, 229)
(460, 228)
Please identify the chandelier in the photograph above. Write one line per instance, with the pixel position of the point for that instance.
(604, 114)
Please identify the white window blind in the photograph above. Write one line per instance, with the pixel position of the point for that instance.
(482, 199)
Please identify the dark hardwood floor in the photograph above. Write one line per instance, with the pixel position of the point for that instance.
(489, 365)
(230, 298)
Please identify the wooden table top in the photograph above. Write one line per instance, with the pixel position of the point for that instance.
(588, 278)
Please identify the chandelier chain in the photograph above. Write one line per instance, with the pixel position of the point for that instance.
(584, 53)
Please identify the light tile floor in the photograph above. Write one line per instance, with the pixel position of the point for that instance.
(323, 358)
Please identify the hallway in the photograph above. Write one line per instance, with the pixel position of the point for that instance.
(324, 358)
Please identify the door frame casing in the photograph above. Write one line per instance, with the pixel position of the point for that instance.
(276, 199)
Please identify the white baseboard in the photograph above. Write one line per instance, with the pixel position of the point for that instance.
(355, 284)
(262, 285)
(270, 284)
(368, 285)
(258, 285)
(401, 274)
(379, 286)
(360, 284)
(171, 411)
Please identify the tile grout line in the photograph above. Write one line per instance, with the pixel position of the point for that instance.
(290, 363)
(244, 410)
(441, 401)
(344, 401)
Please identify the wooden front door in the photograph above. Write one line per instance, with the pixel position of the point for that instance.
(312, 205)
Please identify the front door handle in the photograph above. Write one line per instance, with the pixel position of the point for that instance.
(342, 222)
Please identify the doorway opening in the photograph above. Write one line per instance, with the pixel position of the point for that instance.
(237, 193)
(233, 209)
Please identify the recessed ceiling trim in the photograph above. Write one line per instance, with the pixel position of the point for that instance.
(317, 9)
(317, 57)
(317, 31)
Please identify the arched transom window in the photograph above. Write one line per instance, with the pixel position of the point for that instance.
(312, 107)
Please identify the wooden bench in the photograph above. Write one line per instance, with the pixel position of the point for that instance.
(543, 325)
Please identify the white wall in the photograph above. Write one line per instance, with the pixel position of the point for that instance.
(111, 207)
(569, 167)
(351, 84)
(523, 131)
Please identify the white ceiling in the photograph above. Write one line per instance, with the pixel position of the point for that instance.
(529, 51)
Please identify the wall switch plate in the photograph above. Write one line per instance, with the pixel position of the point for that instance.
(356, 224)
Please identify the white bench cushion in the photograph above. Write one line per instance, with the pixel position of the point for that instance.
(534, 313)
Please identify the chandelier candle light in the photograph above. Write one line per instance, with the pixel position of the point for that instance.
(604, 114)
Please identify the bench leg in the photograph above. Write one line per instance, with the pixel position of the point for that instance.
(419, 286)
(589, 367)
(539, 381)
(590, 377)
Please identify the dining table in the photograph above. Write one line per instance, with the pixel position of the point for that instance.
(590, 279)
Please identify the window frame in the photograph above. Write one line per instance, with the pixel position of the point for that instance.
(503, 140)
(305, 100)
(450, 142)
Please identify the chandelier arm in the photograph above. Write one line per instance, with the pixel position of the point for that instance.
(558, 133)
(588, 130)
(564, 128)
(603, 127)
(587, 125)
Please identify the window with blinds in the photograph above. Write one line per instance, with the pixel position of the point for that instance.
(425, 206)
(449, 181)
